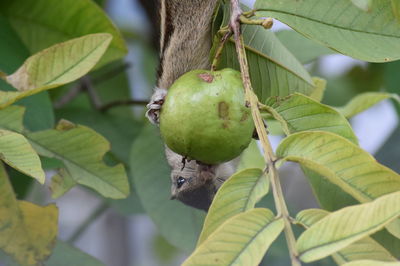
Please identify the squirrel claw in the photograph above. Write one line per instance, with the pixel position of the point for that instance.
(154, 106)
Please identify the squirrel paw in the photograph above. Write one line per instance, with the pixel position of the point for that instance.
(154, 106)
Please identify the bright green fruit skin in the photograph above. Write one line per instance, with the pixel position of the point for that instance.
(204, 116)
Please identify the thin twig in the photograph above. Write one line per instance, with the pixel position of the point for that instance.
(87, 222)
(269, 155)
(87, 83)
(69, 96)
(111, 73)
(110, 105)
(93, 96)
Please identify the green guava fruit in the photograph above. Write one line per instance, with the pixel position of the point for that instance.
(204, 116)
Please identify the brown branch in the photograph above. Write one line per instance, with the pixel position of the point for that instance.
(69, 96)
(110, 105)
(111, 73)
(269, 155)
(92, 93)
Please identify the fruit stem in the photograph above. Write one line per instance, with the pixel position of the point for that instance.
(222, 41)
(269, 155)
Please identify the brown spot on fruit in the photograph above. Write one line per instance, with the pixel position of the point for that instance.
(223, 110)
(206, 77)
(244, 117)
(225, 124)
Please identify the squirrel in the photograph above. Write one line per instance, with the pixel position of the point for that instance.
(185, 44)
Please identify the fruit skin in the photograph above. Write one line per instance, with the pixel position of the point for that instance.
(204, 116)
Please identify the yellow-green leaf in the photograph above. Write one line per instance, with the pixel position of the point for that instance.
(344, 164)
(345, 226)
(365, 248)
(341, 162)
(363, 4)
(27, 231)
(60, 64)
(396, 9)
(241, 240)
(238, 194)
(363, 101)
(61, 183)
(16, 151)
(11, 118)
(318, 92)
(82, 150)
(372, 263)
(41, 23)
(298, 112)
(303, 48)
(370, 36)
(308, 217)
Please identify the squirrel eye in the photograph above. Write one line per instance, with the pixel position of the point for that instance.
(180, 181)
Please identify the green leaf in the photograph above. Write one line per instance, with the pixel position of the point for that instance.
(305, 50)
(298, 113)
(241, 240)
(55, 66)
(319, 89)
(308, 217)
(178, 223)
(364, 101)
(363, 4)
(41, 24)
(330, 196)
(341, 228)
(236, 195)
(396, 9)
(12, 50)
(344, 164)
(273, 69)
(365, 248)
(82, 150)
(16, 151)
(39, 113)
(61, 183)
(67, 255)
(13, 54)
(11, 118)
(341, 162)
(251, 157)
(117, 125)
(339, 25)
(78, 147)
(120, 129)
(371, 263)
(27, 231)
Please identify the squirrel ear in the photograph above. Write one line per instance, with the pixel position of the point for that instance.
(174, 159)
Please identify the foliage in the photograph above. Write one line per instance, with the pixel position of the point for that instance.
(44, 56)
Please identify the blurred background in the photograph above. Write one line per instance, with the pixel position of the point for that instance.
(122, 234)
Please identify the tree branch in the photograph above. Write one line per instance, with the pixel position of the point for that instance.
(269, 155)
(110, 105)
